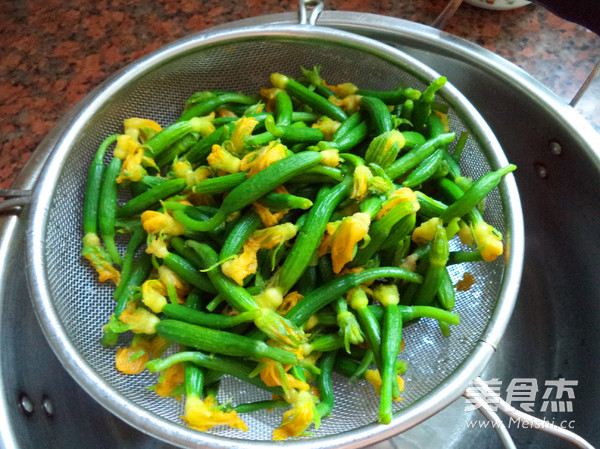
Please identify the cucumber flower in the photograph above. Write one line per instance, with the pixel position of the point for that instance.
(242, 129)
(159, 225)
(400, 195)
(426, 231)
(139, 320)
(223, 160)
(246, 263)
(275, 374)
(384, 148)
(374, 378)
(173, 376)
(342, 237)
(267, 217)
(361, 176)
(297, 420)
(205, 414)
(330, 158)
(154, 295)
(258, 160)
(327, 126)
(141, 129)
(489, 241)
(95, 253)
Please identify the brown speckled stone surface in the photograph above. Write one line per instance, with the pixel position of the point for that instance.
(53, 52)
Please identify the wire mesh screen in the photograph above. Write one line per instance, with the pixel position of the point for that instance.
(85, 305)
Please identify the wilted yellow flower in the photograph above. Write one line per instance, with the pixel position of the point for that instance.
(130, 360)
(223, 160)
(296, 420)
(400, 195)
(343, 90)
(141, 129)
(289, 301)
(426, 231)
(243, 128)
(169, 277)
(267, 217)
(173, 376)
(153, 295)
(132, 154)
(330, 158)
(350, 104)
(351, 231)
(465, 234)
(362, 175)
(139, 320)
(274, 374)
(489, 241)
(374, 378)
(94, 252)
(258, 160)
(155, 222)
(246, 263)
(204, 415)
(242, 265)
(327, 126)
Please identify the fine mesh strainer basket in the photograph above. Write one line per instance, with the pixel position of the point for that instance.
(72, 306)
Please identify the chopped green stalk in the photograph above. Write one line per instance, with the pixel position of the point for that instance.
(221, 342)
(215, 362)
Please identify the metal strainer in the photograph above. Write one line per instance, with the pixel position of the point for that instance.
(72, 306)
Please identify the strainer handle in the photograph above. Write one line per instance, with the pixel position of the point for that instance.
(491, 397)
(13, 198)
(309, 17)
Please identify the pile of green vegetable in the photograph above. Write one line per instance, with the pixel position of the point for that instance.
(280, 237)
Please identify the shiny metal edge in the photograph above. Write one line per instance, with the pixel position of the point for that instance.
(9, 223)
(48, 317)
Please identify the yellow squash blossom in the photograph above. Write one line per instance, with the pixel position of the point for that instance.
(327, 126)
(350, 104)
(141, 129)
(159, 225)
(267, 217)
(343, 90)
(154, 295)
(489, 241)
(223, 160)
(139, 320)
(243, 128)
(289, 301)
(204, 414)
(258, 160)
(297, 420)
(426, 231)
(174, 375)
(465, 234)
(362, 176)
(156, 223)
(374, 378)
(246, 263)
(169, 277)
(350, 231)
(130, 360)
(274, 374)
(400, 195)
(330, 158)
(270, 94)
(94, 252)
(132, 153)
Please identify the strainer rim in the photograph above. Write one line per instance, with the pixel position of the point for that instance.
(127, 409)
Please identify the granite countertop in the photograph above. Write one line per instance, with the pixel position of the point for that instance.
(53, 52)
